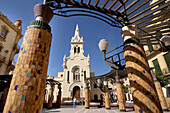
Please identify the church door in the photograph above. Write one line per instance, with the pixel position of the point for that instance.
(76, 92)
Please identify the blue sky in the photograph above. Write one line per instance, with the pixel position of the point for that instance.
(91, 29)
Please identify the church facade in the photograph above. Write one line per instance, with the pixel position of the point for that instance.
(76, 68)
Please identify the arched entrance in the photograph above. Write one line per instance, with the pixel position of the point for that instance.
(76, 92)
(95, 98)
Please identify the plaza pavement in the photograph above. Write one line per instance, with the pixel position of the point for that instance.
(81, 109)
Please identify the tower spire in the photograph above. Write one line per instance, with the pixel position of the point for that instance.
(77, 33)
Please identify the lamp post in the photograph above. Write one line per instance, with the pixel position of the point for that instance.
(103, 46)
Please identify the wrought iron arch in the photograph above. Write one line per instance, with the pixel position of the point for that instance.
(118, 13)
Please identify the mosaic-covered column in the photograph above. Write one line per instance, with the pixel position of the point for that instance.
(26, 93)
(160, 92)
(143, 90)
(87, 96)
(58, 103)
(50, 97)
(106, 93)
(120, 95)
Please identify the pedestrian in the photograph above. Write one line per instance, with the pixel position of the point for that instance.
(74, 102)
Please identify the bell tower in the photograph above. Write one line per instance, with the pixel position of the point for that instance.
(77, 44)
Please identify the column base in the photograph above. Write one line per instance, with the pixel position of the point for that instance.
(107, 108)
(122, 110)
(86, 107)
(165, 110)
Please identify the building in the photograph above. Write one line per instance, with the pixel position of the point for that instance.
(10, 34)
(76, 68)
(157, 59)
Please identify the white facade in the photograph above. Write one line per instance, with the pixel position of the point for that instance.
(76, 68)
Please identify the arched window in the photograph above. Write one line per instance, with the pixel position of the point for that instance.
(95, 97)
(74, 49)
(76, 74)
(68, 76)
(95, 86)
(78, 49)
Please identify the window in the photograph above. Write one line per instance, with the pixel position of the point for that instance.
(76, 75)
(78, 49)
(84, 74)
(74, 49)
(95, 97)
(168, 92)
(150, 48)
(167, 60)
(3, 33)
(157, 67)
(68, 76)
(95, 85)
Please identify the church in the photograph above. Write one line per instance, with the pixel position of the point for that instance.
(76, 68)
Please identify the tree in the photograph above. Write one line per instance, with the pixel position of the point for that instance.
(126, 88)
(163, 79)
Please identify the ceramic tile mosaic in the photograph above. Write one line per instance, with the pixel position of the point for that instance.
(120, 96)
(26, 93)
(161, 96)
(87, 96)
(141, 83)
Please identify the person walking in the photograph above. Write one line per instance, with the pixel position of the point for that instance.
(74, 102)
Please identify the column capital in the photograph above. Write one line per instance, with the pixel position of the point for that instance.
(129, 31)
(43, 13)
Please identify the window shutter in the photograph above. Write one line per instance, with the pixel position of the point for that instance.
(157, 67)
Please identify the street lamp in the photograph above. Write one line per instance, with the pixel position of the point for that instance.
(116, 62)
(103, 45)
(165, 42)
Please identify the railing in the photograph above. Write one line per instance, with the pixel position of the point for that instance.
(116, 59)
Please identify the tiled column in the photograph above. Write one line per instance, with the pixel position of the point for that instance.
(87, 96)
(160, 92)
(59, 96)
(143, 90)
(50, 97)
(26, 93)
(120, 95)
(106, 93)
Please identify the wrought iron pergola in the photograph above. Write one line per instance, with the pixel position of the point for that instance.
(119, 13)
(52, 82)
(151, 19)
(111, 75)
